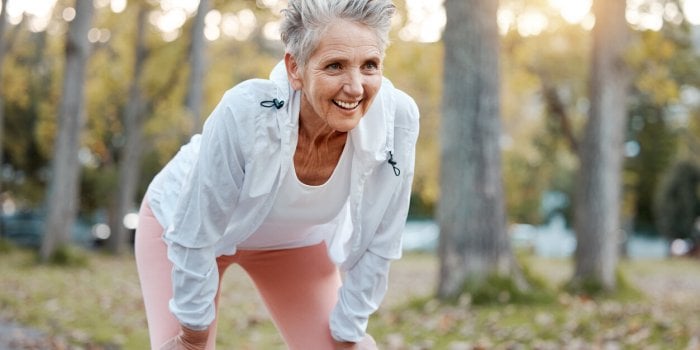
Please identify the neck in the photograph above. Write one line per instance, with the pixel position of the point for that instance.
(318, 149)
(319, 136)
(313, 128)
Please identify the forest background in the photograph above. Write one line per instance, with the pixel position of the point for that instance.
(545, 51)
(97, 95)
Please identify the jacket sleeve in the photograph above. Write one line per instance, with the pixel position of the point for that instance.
(209, 196)
(365, 284)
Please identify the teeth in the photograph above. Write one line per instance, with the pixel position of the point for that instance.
(347, 105)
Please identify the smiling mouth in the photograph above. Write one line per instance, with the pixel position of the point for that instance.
(346, 105)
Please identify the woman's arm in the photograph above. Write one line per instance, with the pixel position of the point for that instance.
(209, 197)
(365, 283)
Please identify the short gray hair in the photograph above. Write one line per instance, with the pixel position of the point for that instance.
(305, 21)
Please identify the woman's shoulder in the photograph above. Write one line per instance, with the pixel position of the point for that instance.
(240, 107)
(249, 93)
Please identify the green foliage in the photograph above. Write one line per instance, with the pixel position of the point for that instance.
(593, 288)
(662, 63)
(97, 185)
(412, 68)
(538, 157)
(497, 289)
(6, 246)
(642, 175)
(678, 202)
(69, 256)
(419, 208)
(33, 78)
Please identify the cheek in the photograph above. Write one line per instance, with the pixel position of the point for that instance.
(371, 92)
(373, 84)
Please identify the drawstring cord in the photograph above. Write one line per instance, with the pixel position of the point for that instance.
(392, 162)
(274, 103)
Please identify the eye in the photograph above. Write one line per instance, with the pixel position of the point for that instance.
(371, 65)
(333, 66)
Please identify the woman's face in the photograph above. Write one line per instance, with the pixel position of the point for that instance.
(341, 78)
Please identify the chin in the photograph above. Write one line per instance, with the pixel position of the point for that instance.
(346, 125)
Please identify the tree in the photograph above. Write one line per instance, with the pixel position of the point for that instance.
(3, 25)
(193, 101)
(598, 196)
(474, 244)
(130, 160)
(62, 193)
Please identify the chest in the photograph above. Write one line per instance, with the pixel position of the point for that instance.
(316, 160)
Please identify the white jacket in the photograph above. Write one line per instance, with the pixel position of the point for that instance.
(220, 187)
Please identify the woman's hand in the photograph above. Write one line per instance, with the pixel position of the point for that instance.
(367, 343)
(187, 340)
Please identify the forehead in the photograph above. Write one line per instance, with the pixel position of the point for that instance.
(345, 37)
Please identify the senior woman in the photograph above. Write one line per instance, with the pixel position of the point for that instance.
(296, 179)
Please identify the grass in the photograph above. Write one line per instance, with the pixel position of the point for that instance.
(98, 305)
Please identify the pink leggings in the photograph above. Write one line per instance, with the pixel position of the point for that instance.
(299, 287)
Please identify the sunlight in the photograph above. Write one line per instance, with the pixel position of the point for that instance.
(170, 20)
(117, 6)
(531, 23)
(426, 21)
(691, 9)
(272, 30)
(188, 6)
(238, 25)
(68, 14)
(505, 19)
(572, 11)
(212, 22)
(645, 14)
(39, 12)
(425, 18)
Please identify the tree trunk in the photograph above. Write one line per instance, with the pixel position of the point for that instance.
(598, 196)
(193, 101)
(471, 211)
(63, 187)
(130, 160)
(3, 50)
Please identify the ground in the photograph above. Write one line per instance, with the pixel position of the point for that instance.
(98, 307)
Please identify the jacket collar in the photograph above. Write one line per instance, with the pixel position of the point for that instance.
(372, 139)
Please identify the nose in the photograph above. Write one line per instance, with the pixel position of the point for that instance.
(353, 83)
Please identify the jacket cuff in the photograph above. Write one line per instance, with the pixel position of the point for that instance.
(346, 328)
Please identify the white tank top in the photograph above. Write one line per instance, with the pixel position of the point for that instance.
(304, 215)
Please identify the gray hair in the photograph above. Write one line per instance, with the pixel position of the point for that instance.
(305, 21)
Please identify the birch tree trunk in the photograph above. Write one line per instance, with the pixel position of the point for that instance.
(193, 100)
(63, 187)
(598, 197)
(130, 160)
(471, 211)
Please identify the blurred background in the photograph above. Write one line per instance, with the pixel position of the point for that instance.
(124, 83)
(545, 52)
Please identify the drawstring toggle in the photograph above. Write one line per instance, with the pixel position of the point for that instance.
(392, 162)
(274, 103)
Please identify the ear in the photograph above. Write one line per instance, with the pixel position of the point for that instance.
(293, 73)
